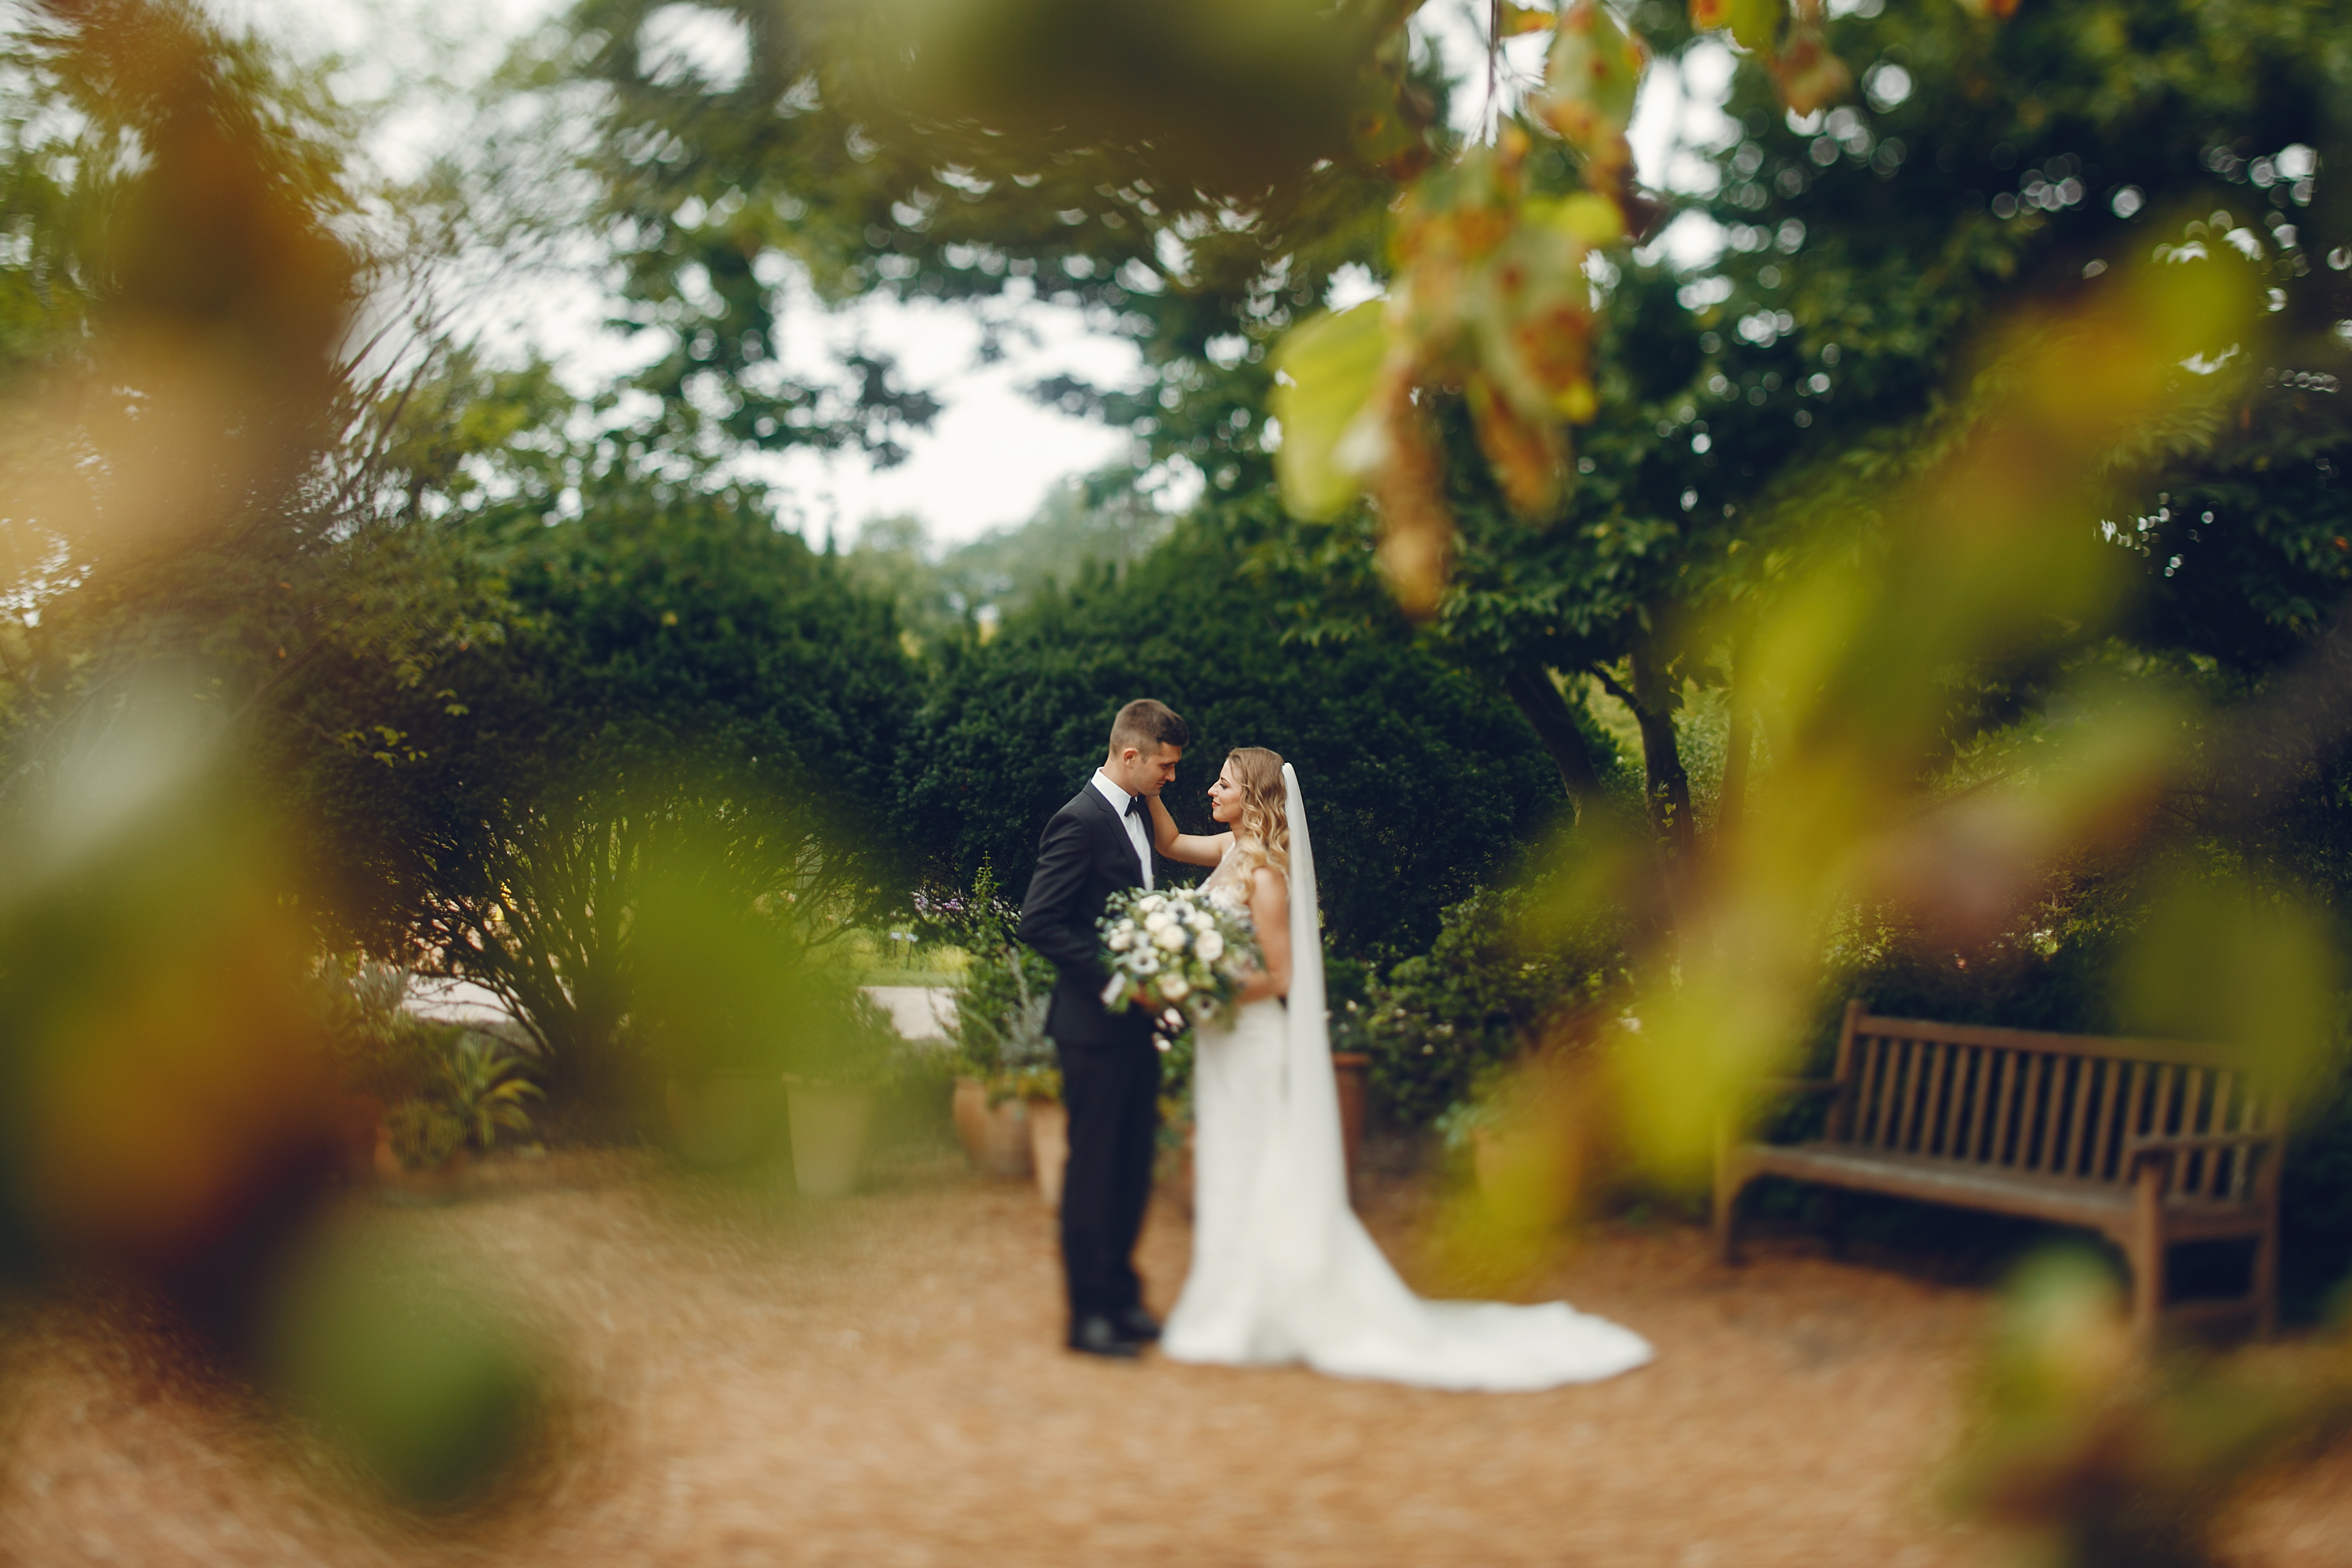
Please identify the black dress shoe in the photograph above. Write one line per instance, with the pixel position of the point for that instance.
(1102, 1336)
(1137, 1324)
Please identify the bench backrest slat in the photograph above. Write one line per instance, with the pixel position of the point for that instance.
(1863, 1106)
(2088, 1074)
(2030, 1121)
(2066, 1106)
(2012, 1068)
(1948, 1110)
(1980, 1100)
(2100, 1164)
(1939, 1073)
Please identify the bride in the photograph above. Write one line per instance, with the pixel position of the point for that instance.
(1282, 1269)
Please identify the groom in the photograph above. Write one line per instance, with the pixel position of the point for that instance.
(1098, 843)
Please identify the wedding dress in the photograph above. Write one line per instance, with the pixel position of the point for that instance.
(1282, 1269)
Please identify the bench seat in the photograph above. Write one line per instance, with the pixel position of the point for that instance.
(2150, 1143)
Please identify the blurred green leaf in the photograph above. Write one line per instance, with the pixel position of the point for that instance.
(1332, 362)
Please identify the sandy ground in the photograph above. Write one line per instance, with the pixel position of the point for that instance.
(878, 1382)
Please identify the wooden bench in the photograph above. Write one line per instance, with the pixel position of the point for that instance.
(2149, 1143)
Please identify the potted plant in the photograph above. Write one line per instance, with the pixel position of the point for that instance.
(1007, 1104)
(845, 1055)
(1522, 1132)
(1039, 1087)
(382, 1055)
(481, 1089)
(1352, 1060)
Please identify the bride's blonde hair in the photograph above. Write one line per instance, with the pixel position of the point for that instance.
(1261, 838)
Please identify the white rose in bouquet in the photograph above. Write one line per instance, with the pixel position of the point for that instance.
(1121, 939)
(1170, 938)
(1174, 988)
(1211, 947)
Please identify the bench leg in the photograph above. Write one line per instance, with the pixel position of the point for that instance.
(2145, 1255)
(2265, 1281)
(1729, 1183)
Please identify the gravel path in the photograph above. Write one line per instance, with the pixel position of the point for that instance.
(877, 1383)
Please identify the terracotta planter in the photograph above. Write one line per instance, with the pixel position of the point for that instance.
(727, 1120)
(995, 1138)
(1528, 1170)
(1049, 1147)
(829, 1128)
(1353, 1072)
(362, 1141)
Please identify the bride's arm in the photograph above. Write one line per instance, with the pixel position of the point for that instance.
(1269, 906)
(1191, 848)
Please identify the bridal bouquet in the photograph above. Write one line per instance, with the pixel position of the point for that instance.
(1176, 949)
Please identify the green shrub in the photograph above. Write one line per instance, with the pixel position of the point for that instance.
(484, 1083)
(1421, 779)
(379, 1047)
(424, 1134)
(477, 1090)
(1498, 977)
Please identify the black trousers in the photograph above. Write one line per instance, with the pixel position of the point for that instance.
(1112, 1091)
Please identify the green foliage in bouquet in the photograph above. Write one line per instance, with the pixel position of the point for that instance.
(1175, 949)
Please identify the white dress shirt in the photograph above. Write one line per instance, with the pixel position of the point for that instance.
(1119, 799)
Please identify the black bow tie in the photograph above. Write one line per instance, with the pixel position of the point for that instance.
(1135, 805)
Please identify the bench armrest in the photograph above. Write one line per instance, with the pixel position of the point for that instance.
(2165, 1156)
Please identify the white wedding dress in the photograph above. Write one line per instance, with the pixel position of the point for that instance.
(1282, 1269)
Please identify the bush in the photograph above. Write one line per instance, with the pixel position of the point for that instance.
(424, 1134)
(671, 678)
(379, 1048)
(1499, 977)
(1421, 780)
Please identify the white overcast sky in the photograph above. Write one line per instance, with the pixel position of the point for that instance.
(992, 454)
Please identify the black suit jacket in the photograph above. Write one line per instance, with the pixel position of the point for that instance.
(1083, 856)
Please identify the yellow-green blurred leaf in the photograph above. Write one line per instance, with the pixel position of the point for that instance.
(1754, 23)
(1325, 365)
(2236, 965)
(1591, 77)
(1520, 19)
(1593, 221)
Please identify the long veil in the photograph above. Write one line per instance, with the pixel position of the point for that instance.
(1313, 1142)
(1285, 1271)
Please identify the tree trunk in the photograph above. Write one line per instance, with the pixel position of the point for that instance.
(1537, 697)
(1666, 785)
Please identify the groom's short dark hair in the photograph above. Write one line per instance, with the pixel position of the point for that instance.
(1147, 726)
